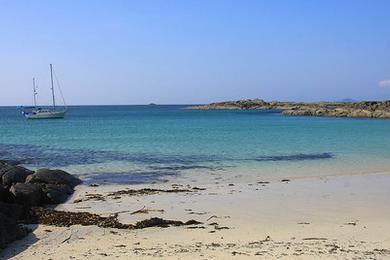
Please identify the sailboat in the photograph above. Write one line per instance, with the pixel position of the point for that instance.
(45, 113)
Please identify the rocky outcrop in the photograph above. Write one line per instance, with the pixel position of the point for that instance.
(27, 194)
(22, 189)
(232, 105)
(15, 174)
(48, 176)
(366, 109)
(10, 229)
(56, 193)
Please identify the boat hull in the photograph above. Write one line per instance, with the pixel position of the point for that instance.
(46, 115)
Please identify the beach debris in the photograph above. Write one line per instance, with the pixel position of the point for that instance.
(197, 188)
(263, 182)
(146, 191)
(267, 239)
(130, 192)
(285, 180)
(197, 213)
(314, 238)
(53, 217)
(213, 245)
(352, 223)
(234, 253)
(91, 196)
(159, 222)
(303, 223)
(214, 216)
(144, 210)
(196, 227)
(217, 227)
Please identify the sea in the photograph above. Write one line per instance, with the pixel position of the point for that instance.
(149, 144)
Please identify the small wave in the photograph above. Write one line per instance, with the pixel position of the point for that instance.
(295, 157)
(127, 177)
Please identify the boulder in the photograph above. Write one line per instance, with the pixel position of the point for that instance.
(48, 176)
(56, 193)
(3, 193)
(13, 211)
(4, 167)
(10, 162)
(10, 214)
(15, 174)
(27, 194)
(10, 230)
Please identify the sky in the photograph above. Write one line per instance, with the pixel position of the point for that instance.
(192, 52)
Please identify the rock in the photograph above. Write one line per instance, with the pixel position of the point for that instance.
(54, 177)
(56, 193)
(3, 193)
(4, 167)
(10, 230)
(10, 214)
(10, 162)
(27, 194)
(15, 174)
(13, 211)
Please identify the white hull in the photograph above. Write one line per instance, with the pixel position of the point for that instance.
(46, 115)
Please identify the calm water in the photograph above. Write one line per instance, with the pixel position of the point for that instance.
(148, 143)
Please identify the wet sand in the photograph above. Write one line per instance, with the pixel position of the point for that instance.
(305, 218)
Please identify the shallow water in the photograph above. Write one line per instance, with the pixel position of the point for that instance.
(136, 144)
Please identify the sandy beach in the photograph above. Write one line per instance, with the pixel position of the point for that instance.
(305, 218)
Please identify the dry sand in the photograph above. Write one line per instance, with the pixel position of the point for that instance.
(306, 218)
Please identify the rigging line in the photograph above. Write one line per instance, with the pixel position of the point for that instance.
(59, 87)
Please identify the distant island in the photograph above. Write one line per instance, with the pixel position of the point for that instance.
(364, 109)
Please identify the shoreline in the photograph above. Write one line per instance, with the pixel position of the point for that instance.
(322, 217)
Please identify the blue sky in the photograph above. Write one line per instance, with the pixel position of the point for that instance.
(181, 52)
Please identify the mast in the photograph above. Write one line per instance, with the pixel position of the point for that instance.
(52, 86)
(35, 93)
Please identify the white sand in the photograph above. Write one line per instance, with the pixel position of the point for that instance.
(327, 217)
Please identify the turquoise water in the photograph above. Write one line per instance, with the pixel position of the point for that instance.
(147, 143)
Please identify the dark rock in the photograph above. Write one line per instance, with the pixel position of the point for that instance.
(54, 177)
(4, 167)
(10, 162)
(3, 193)
(27, 194)
(56, 193)
(10, 230)
(13, 211)
(15, 174)
(10, 214)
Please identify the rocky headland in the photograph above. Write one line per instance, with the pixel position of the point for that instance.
(364, 109)
(22, 190)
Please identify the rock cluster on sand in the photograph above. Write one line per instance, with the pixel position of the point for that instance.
(22, 189)
(365, 109)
